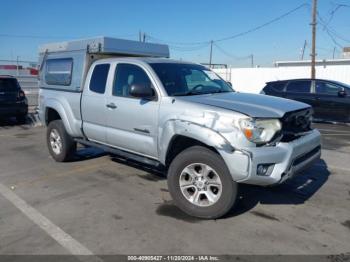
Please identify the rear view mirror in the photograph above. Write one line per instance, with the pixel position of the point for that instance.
(141, 91)
(342, 92)
(229, 83)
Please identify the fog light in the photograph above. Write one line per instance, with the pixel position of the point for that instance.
(264, 169)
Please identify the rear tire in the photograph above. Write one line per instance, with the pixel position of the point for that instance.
(201, 184)
(60, 144)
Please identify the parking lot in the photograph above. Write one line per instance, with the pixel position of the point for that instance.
(99, 204)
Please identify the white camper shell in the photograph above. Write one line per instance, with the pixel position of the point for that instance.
(64, 65)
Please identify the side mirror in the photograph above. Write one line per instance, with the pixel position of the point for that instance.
(229, 83)
(142, 91)
(342, 92)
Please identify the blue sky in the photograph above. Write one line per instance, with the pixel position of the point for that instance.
(183, 21)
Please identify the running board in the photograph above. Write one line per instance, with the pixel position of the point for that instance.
(120, 153)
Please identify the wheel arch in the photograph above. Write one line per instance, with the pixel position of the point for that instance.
(55, 111)
(179, 143)
(177, 135)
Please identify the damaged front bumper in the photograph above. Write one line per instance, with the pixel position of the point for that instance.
(283, 161)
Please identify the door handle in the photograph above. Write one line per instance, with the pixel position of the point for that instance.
(111, 106)
(146, 131)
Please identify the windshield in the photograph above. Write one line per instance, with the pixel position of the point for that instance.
(189, 79)
(342, 84)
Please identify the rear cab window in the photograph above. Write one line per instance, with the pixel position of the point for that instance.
(59, 71)
(98, 79)
(302, 86)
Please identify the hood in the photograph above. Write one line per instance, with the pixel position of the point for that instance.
(249, 104)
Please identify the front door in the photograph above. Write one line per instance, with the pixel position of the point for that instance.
(132, 123)
(329, 105)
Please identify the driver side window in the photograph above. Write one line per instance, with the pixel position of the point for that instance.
(127, 75)
(327, 88)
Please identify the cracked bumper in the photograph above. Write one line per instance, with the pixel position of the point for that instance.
(288, 159)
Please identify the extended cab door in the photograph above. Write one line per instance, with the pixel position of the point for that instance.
(132, 123)
(93, 104)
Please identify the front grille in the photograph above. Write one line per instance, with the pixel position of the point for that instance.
(295, 123)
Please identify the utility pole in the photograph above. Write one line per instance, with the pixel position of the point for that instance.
(252, 60)
(313, 48)
(211, 53)
(144, 37)
(334, 49)
(303, 50)
(140, 36)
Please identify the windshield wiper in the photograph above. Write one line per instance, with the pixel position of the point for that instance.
(189, 93)
(220, 91)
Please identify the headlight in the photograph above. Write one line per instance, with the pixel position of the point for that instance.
(260, 131)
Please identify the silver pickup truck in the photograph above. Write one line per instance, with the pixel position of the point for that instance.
(128, 98)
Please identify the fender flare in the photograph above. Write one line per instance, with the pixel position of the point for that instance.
(63, 113)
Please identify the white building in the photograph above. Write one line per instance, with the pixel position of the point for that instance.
(252, 80)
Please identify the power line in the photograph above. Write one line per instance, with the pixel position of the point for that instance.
(231, 55)
(256, 28)
(264, 24)
(332, 13)
(187, 49)
(179, 46)
(33, 36)
(51, 37)
(190, 46)
(177, 43)
(331, 32)
(338, 35)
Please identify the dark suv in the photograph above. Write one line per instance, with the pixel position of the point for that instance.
(329, 99)
(13, 101)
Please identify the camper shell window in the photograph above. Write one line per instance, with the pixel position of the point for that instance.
(59, 71)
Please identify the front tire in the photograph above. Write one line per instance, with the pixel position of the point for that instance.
(201, 184)
(61, 145)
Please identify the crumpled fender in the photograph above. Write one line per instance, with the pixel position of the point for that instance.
(206, 128)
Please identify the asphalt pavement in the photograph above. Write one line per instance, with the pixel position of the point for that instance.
(100, 204)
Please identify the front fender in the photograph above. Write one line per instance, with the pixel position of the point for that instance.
(202, 133)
